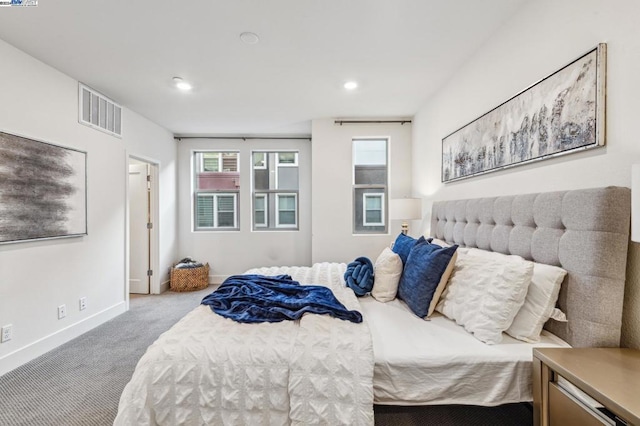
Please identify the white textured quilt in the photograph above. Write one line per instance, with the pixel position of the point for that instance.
(209, 370)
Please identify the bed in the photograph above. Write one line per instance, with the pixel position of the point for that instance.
(440, 363)
(322, 370)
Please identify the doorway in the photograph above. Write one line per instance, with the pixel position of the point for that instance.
(142, 239)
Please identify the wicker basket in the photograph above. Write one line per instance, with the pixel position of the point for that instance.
(189, 279)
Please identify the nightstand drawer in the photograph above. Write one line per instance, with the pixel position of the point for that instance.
(567, 411)
(586, 386)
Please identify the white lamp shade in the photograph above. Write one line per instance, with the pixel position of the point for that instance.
(405, 209)
(635, 202)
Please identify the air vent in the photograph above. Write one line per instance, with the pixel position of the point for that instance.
(98, 111)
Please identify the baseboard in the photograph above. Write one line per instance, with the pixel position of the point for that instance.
(41, 346)
(164, 286)
(217, 279)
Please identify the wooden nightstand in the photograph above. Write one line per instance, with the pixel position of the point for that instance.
(610, 376)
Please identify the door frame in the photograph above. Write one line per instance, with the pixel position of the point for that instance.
(154, 237)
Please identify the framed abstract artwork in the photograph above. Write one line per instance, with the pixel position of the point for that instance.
(560, 114)
(43, 190)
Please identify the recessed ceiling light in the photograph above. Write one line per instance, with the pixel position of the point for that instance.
(351, 85)
(249, 37)
(181, 84)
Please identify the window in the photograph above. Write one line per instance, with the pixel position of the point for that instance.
(216, 211)
(260, 215)
(210, 162)
(217, 185)
(275, 190)
(225, 212)
(288, 159)
(370, 180)
(260, 160)
(287, 210)
(219, 162)
(373, 209)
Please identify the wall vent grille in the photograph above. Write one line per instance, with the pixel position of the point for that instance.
(97, 111)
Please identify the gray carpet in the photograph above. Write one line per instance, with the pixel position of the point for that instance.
(80, 382)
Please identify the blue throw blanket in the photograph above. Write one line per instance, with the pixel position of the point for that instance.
(260, 298)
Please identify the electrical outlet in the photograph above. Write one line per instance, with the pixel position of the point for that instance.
(7, 333)
(62, 311)
(83, 303)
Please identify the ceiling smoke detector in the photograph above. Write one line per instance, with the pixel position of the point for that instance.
(249, 37)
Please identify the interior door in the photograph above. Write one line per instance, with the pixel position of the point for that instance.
(139, 234)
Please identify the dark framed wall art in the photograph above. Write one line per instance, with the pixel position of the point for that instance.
(560, 114)
(43, 190)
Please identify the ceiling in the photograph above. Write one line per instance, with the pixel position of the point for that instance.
(399, 51)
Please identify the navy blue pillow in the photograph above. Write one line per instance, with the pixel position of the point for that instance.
(422, 273)
(402, 246)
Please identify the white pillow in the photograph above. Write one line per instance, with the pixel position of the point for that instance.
(485, 292)
(440, 242)
(539, 305)
(387, 272)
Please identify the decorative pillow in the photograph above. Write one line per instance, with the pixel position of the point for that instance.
(485, 292)
(444, 280)
(445, 277)
(539, 305)
(438, 242)
(359, 276)
(402, 246)
(426, 264)
(387, 272)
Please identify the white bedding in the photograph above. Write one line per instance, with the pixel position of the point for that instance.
(320, 370)
(420, 362)
(211, 370)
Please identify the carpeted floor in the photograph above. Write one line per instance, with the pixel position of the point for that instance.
(80, 382)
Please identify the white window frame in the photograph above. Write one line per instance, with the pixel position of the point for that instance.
(277, 210)
(220, 162)
(215, 196)
(216, 210)
(202, 153)
(195, 213)
(264, 161)
(364, 208)
(274, 193)
(279, 164)
(383, 188)
(266, 210)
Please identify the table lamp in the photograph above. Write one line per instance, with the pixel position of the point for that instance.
(405, 209)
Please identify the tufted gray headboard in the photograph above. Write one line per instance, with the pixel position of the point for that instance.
(585, 231)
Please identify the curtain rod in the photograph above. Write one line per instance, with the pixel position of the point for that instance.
(341, 122)
(244, 138)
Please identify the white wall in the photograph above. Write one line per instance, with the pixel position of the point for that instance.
(539, 39)
(332, 194)
(35, 277)
(233, 252)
